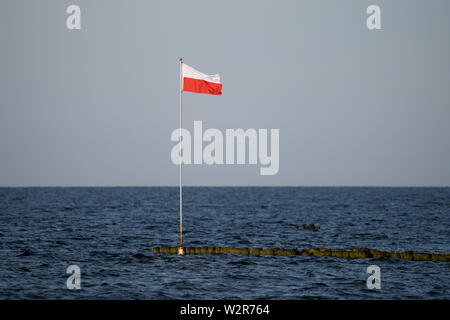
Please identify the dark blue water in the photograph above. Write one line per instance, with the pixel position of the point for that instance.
(109, 233)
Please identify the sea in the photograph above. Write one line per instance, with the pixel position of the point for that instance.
(108, 233)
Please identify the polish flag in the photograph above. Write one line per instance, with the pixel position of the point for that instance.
(195, 81)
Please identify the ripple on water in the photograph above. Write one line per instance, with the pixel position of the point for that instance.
(110, 232)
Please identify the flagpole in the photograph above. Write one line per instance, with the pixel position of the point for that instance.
(181, 248)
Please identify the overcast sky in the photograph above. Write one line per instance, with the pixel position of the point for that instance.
(97, 106)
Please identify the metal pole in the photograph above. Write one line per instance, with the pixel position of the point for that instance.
(181, 249)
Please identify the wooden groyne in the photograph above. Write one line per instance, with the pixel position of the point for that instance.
(352, 253)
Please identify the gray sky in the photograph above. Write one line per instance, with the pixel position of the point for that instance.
(97, 106)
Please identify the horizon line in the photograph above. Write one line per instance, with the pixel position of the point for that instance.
(229, 186)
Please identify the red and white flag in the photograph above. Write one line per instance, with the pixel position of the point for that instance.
(195, 81)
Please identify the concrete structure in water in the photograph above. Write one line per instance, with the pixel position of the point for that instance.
(352, 253)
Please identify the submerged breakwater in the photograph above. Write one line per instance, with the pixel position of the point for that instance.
(352, 253)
